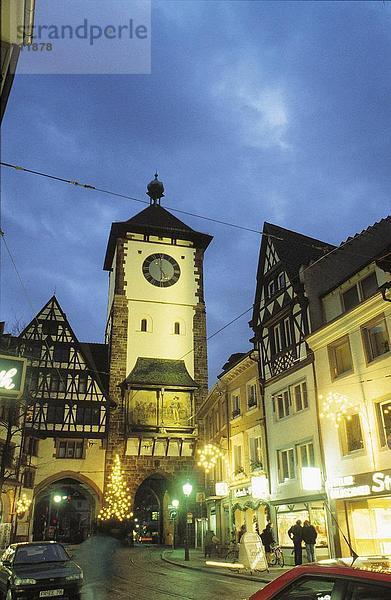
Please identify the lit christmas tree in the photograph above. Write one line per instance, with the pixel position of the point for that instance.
(117, 502)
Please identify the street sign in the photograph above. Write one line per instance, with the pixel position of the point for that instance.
(12, 376)
(200, 497)
(173, 514)
(189, 517)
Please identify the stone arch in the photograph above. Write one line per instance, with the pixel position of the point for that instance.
(72, 517)
(68, 475)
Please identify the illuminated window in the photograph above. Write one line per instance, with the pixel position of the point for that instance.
(376, 339)
(177, 328)
(383, 413)
(340, 358)
(144, 325)
(238, 459)
(256, 454)
(352, 434)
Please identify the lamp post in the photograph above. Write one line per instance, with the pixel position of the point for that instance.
(175, 505)
(187, 489)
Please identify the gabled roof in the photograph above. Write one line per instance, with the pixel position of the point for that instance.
(94, 355)
(351, 256)
(160, 372)
(293, 249)
(153, 220)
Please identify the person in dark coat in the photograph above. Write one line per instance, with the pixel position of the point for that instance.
(208, 543)
(309, 538)
(296, 535)
(267, 537)
(242, 531)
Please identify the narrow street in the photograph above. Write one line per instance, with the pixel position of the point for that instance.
(114, 572)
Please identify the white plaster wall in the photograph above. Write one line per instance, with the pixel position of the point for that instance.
(92, 466)
(295, 429)
(163, 306)
(332, 303)
(368, 384)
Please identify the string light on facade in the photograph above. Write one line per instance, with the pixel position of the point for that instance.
(337, 407)
(208, 457)
(117, 501)
(22, 505)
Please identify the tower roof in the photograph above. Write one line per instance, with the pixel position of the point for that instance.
(153, 220)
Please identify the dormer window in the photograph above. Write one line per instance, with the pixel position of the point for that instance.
(281, 281)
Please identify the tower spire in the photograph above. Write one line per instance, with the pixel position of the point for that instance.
(155, 190)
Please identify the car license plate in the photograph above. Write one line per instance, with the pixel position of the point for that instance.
(51, 593)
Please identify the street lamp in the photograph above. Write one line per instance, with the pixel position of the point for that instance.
(187, 489)
(175, 506)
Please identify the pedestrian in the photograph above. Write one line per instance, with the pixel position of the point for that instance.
(309, 538)
(255, 525)
(296, 535)
(242, 531)
(267, 537)
(208, 543)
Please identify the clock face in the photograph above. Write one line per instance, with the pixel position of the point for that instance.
(161, 270)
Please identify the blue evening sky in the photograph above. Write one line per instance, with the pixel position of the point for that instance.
(254, 111)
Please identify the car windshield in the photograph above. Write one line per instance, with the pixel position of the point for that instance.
(38, 553)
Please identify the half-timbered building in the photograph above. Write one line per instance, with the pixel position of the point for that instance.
(64, 428)
(280, 323)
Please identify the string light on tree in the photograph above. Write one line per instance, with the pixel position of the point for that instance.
(208, 457)
(22, 505)
(337, 407)
(117, 501)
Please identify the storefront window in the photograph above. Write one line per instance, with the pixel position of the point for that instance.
(316, 515)
(370, 524)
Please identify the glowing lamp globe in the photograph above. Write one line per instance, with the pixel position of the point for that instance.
(187, 488)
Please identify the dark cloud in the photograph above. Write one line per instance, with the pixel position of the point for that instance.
(254, 111)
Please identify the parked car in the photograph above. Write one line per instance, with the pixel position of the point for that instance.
(36, 570)
(366, 578)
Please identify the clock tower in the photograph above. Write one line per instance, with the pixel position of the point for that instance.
(156, 332)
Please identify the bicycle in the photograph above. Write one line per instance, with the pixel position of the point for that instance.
(232, 556)
(277, 557)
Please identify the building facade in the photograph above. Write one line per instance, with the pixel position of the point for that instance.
(232, 417)
(63, 420)
(352, 349)
(280, 323)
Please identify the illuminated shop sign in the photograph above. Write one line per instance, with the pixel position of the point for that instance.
(221, 488)
(244, 491)
(364, 484)
(12, 376)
